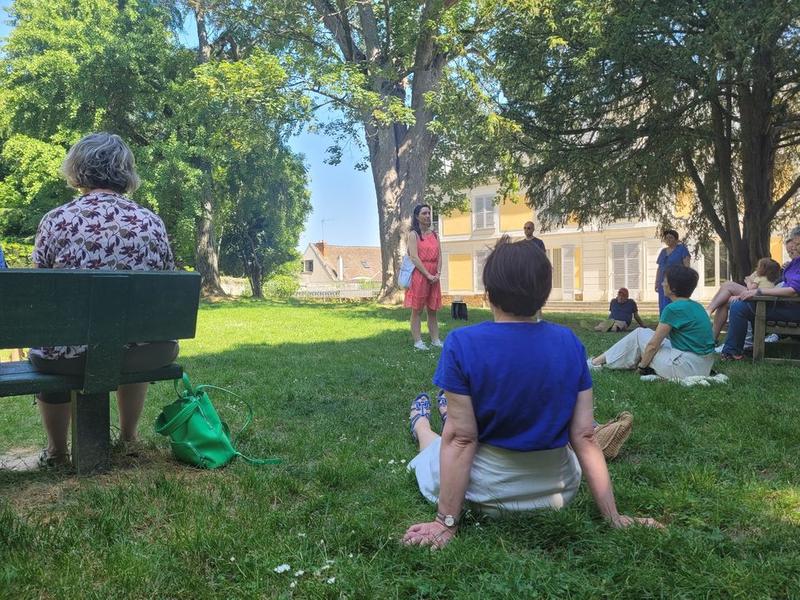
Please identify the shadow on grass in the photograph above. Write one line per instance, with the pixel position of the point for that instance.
(717, 467)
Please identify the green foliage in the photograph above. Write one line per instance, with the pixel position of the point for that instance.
(17, 253)
(281, 286)
(216, 129)
(624, 106)
(32, 185)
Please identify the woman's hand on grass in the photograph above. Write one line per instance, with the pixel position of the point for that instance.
(623, 521)
(433, 534)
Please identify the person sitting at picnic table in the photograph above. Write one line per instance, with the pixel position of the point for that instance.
(517, 410)
(682, 344)
(741, 313)
(766, 275)
(101, 229)
(621, 311)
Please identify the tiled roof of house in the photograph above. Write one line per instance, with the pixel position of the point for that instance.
(359, 262)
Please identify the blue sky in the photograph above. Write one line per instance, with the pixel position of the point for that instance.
(341, 196)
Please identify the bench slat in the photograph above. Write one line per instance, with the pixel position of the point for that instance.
(20, 378)
(52, 307)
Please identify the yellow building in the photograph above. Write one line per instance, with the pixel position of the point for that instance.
(589, 264)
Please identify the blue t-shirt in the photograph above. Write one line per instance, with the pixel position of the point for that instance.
(665, 260)
(3, 264)
(523, 379)
(622, 311)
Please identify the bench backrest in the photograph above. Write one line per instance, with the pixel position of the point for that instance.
(101, 309)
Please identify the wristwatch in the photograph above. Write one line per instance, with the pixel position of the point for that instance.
(448, 521)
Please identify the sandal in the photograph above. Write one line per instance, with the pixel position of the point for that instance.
(441, 401)
(52, 461)
(421, 404)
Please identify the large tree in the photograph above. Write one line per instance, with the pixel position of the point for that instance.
(384, 65)
(624, 105)
(72, 67)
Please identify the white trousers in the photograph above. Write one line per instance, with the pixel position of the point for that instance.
(668, 362)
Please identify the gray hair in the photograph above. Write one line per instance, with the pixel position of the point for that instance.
(101, 160)
(794, 233)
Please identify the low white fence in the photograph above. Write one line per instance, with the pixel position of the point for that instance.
(367, 289)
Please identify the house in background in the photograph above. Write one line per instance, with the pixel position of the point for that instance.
(589, 264)
(329, 267)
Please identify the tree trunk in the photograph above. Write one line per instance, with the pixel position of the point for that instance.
(723, 162)
(206, 253)
(255, 271)
(400, 184)
(758, 139)
(206, 258)
(256, 281)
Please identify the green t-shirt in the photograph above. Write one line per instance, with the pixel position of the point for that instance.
(691, 327)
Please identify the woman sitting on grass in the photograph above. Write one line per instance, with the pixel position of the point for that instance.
(682, 344)
(516, 406)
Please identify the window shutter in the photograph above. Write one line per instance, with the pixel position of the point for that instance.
(632, 252)
(618, 265)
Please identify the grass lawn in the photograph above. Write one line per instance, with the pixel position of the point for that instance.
(331, 385)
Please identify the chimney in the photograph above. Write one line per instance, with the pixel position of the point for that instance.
(321, 247)
(341, 268)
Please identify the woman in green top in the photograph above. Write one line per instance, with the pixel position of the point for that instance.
(682, 344)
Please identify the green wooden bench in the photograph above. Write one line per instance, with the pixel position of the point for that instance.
(763, 327)
(103, 310)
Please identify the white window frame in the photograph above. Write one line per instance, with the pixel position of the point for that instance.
(478, 262)
(305, 265)
(487, 212)
(636, 291)
(558, 277)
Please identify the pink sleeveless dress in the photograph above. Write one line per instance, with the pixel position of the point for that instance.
(422, 292)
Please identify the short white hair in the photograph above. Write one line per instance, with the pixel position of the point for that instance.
(101, 160)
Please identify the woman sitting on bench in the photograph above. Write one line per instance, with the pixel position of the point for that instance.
(742, 313)
(101, 229)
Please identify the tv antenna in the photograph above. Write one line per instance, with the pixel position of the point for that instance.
(322, 222)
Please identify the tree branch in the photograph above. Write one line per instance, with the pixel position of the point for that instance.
(702, 195)
(334, 23)
(369, 28)
(787, 195)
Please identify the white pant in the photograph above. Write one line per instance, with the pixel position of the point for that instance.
(668, 362)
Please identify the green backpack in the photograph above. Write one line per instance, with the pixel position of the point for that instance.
(197, 435)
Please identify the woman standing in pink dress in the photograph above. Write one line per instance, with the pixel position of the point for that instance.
(425, 290)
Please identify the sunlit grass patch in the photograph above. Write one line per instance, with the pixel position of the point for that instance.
(331, 385)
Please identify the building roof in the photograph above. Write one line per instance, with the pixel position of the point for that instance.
(360, 263)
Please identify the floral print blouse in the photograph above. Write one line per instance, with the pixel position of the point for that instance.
(100, 230)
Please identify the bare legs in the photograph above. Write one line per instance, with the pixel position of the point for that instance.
(56, 417)
(425, 435)
(726, 291)
(416, 325)
(130, 402)
(719, 304)
(433, 326)
(720, 318)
